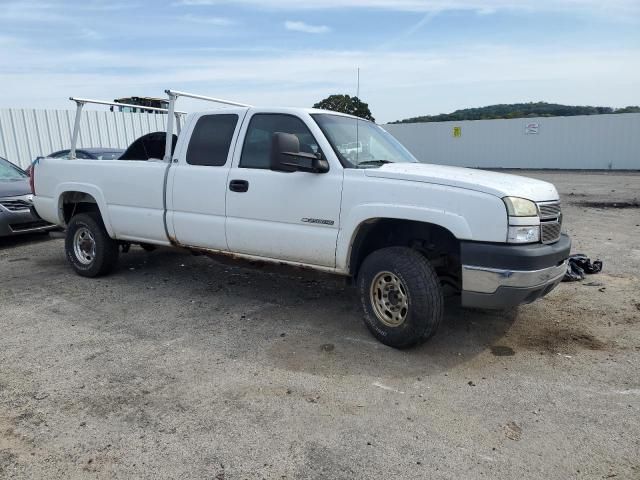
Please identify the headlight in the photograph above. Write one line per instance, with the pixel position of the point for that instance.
(519, 234)
(520, 207)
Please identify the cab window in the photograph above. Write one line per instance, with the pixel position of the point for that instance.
(211, 139)
(257, 143)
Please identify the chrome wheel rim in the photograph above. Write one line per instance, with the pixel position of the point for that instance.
(389, 299)
(84, 246)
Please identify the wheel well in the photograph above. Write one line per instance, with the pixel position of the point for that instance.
(72, 203)
(437, 243)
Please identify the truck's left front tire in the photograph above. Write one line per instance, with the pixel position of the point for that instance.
(90, 250)
(401, 296)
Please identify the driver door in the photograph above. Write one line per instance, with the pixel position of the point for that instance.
(292, 216)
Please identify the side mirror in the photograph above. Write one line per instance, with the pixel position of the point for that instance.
(287, 157)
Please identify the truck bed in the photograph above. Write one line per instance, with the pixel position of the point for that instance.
(129, 194)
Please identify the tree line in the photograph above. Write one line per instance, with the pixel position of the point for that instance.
(355, 106)
(519, 110)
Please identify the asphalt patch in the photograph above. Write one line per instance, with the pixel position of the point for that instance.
(618, 205)
(558, 340)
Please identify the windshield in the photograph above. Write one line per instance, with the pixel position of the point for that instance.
(9, 171)
(90, 154)
(360, 143)
(109, 155)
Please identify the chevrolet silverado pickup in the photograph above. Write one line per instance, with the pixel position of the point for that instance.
(286, 185)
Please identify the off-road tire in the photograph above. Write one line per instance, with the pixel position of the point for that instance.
(423, 295)
(106, 249)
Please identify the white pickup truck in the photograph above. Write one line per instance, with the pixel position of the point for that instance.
(284, 185)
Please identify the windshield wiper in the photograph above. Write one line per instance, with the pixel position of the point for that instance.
(373, 163)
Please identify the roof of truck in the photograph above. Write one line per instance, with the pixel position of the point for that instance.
(293, 110)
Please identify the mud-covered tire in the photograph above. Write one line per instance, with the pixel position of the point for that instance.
(418, 287)
(99, 253)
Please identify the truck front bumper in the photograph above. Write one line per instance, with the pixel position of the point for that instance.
(498, 276)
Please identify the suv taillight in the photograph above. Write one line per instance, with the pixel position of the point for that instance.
(32, 179)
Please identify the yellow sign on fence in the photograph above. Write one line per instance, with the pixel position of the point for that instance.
(457, 132)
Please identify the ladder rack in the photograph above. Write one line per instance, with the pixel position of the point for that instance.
(173, 96)
(171, 113)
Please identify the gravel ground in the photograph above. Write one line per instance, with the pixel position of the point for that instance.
(178, 366)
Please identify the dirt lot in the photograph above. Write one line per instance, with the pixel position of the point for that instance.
(184, 367)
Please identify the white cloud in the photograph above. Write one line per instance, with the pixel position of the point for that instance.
(609, 7)
(51, 13)
(195, 3)
(395, 84)
(486, 11)
(203, 19)
(30, 12)
(305, 27)
(106, 6)
(8, 40)
(89, 34)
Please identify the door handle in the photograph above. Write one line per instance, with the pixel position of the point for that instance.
(238, 185)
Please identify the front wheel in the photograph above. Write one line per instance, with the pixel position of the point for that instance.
(90, 250)
(401, 296)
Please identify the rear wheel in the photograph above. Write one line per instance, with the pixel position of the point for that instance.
(90, 250)
(401, 296)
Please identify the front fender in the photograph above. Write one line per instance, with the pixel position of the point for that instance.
(89, 189)
(360, 214)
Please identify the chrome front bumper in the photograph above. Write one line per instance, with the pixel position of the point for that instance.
(493, 288)
(489, 280)
(497, 275)
(501, 289)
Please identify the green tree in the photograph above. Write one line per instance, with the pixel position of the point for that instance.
(519, 110)
(346, 104)
(629, 109)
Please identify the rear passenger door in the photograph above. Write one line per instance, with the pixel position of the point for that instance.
(196, 188)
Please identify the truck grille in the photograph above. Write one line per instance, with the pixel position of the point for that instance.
(550, 231)
(550, 221)
(549, 210)
(15, 205)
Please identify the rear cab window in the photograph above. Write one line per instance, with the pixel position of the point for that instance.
(211, 139)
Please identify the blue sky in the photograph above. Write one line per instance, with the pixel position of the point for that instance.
(415, 56)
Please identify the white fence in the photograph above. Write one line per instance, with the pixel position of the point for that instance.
(599, 142)
(26, 134)
(584, 142)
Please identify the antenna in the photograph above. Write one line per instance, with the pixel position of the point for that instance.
(358, 84)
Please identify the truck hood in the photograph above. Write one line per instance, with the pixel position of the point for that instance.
(498, 184)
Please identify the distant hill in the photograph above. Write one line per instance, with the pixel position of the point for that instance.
(519, 110)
